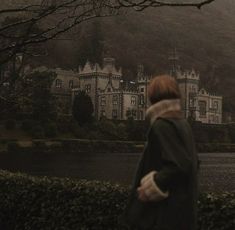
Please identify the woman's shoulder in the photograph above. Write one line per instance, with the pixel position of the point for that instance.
(169, 124)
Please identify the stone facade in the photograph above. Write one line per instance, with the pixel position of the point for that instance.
(62, 88)
(111, 96)
(115, 98)
(198, 103)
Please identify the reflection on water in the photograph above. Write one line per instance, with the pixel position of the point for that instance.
(217, 169)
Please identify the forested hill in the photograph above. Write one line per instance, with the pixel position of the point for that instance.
(204, 39)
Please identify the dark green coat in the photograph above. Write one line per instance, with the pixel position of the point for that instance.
(170, 150)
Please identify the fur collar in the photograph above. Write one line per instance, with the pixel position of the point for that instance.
(165, 109)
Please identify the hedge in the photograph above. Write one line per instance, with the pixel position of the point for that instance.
(74, 145)
(85, 145)
(63, 204)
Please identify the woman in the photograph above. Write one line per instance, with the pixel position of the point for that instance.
(164, 194)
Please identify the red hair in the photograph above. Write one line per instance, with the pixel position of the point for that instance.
(163, 87)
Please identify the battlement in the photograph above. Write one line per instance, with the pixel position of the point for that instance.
(130, 87)
(108, 68)
(188, 74)
(144, 79)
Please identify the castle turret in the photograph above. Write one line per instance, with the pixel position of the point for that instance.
(109, 64)
(189, 86)
(143, 81)
(140, 72)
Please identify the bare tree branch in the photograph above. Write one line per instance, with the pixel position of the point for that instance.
(38, 23)
(143, 4)
(74, 12)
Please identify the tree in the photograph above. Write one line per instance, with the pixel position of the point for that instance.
(82, 108)
(42, 20)
(43, 102)
(57, 17)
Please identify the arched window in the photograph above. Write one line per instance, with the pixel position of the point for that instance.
(133, 100)
(58, 83)
(202, 108)
(88, 88)
(115, 99)
(71, 84)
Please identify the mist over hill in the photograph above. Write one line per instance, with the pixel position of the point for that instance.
(204, 39)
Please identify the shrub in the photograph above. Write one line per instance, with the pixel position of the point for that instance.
(10, 124)
(51, 203)
(63, 123)
(37, 131)
(33, 203)
(108, 129)
(121, 131)
(79, 132)
(27, 125)
(12, 146)
(50, 130)
(39, 146)
(216, 212)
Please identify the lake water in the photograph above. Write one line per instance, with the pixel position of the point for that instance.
(217, 171)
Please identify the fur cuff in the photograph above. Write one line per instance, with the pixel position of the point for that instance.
(150, 188)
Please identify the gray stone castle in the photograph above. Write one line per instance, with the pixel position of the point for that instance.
(115, 98)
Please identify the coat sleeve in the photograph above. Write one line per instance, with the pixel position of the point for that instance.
(176, 161)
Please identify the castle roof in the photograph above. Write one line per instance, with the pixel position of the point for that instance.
(187, 74)
(128, 86)
(108, 68)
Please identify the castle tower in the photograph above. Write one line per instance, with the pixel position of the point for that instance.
(142, 82)
(189, 86)
(94, 78)
(109, 64)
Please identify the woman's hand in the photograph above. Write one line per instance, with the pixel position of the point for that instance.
(141, 194)
(148, 189)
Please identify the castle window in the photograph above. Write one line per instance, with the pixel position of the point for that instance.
(211, 119)
(71, 84)
(141, 115)
(216, 105)
(103, 100)
(114, 114)
(191, 102)
(134, 113)
(58, 83)
(88, 88)
(141, 99)
(202, 108)
(133, 100)
(142, 90)
(102, 113)
(115, 99)
(109, 90)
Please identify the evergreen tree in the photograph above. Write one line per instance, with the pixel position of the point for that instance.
(82, 108)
